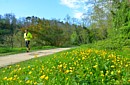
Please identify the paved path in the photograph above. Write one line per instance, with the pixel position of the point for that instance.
(12, 59)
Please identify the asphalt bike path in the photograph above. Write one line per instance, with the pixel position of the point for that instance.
(15, 58)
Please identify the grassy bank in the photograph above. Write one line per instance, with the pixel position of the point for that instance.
(7, 50)
(79, 66)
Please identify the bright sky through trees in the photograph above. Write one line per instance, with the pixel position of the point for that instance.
(48, 9)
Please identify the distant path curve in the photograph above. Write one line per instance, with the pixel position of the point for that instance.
(12, 59)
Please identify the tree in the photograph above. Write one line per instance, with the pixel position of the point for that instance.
(10, 20)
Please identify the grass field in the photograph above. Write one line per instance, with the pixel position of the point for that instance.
(79, 66)
(7, 51)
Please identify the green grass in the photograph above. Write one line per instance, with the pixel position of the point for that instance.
(7, 51)
(124, 52)
(79, 66)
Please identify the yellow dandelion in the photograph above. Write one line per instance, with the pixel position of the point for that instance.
(77, 64)
(46, 77)
(83, 58)
(30, 72)
(118, 60)
(112, 72)
(59, 66)
(107, 72)
(126, 65)
(74, 63)
(28, 81)
(15, 76)
(102, 80)
(67, 78)
(112, 66)
(91, 73)
(19, 69)
(101, 72)
(71, 71)
(41, 71)
(129, 80)
(107, 59)
(20, 81)
(67, 71)
(54, 67)
(60, 70)
(32, 68)
(71, 68)
(42, 77)
(5, 78)
(102, 75)
(118, 71)
(95, 66)
(64, 66)
(42, 68)
(3, 71)
(29, 66)
(16, 70)
(9, 66)
(10, 78)
(35, 83)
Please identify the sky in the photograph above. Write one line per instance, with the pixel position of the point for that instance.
(48, 9)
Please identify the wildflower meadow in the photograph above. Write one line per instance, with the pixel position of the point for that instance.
(74, 67)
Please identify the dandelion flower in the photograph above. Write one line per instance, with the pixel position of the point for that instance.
(28, 81)
(67, 78)
(65, 66)
(42, 77)
(71, 68)
(112, 66)
(10, 78)
(67, 71)
(28, 66)
(20, 81)
(30, 72)
(126, 65)
(83, 58)
(46, 77)
(102, 75)
(5, 78)
(19, 69)
(9, 66)
(91, 73)
(35, 83)
(3, 71)
(32, 68)
(107, 72)
(95, 66)
(15, 76)
(112, 72)
(71, 71)
(119, 71)
(60, 65)
(129, 80)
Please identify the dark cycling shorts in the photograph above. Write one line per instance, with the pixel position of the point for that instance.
(27, 43)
